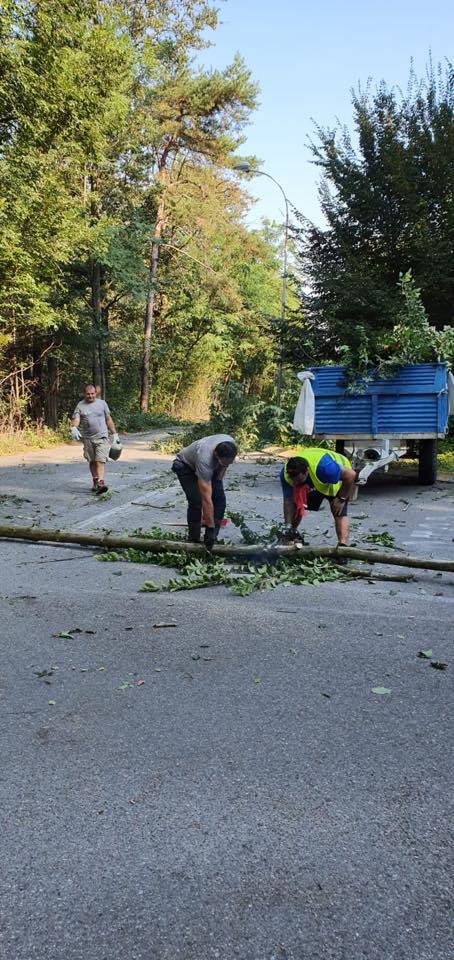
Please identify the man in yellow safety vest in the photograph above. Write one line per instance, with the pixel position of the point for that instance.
(311, 476)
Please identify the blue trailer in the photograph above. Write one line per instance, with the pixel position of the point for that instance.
(377, 423)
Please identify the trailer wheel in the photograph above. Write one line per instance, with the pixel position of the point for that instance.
(427, 462)
(340, 446)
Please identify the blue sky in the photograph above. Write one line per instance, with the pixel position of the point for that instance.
(306, 56)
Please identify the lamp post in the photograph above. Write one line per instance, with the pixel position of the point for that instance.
(244, 167)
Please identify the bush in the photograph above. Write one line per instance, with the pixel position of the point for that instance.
(251, 421)
(139, 421)
(173, 444)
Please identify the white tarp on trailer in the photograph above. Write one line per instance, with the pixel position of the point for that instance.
(304, 418)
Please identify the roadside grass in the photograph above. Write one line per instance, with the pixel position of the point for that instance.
(445, 457)
(39, 438)
(31, 438)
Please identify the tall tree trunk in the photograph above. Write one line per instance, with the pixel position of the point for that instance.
(37, 396)
(148, 326)
(96, 280)
(99, 376)
(53, 375)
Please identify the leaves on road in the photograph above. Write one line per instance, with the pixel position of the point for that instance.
(438, 665)
(385, 539)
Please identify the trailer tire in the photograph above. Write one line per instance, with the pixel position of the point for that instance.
(427, 462)
(340, 446)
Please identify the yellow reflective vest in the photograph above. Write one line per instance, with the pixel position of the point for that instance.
(313, 455)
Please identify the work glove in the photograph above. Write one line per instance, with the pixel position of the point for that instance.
(209, 538)
(289, 535)
(75, 433)
(115, 438)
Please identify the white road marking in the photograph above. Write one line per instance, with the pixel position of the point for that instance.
(103, 514)
(434, 543)
(441, 509)
(129, 476)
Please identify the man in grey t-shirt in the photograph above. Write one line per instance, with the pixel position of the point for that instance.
(93, 417)
(200, 468)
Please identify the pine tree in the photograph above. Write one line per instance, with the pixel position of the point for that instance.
(200, 116)
(388, 199)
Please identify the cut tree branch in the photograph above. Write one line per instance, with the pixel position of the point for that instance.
(117, 541)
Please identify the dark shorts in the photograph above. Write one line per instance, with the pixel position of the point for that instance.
(315, 500)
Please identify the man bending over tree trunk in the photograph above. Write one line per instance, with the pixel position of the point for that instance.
(200, 468)
(312, 476)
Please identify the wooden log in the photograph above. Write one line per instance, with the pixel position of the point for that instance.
(356, 573)
(112, 541)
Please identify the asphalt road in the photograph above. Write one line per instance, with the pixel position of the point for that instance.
(251, 797)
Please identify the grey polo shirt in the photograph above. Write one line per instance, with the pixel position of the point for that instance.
(93, 418)
(199, 455)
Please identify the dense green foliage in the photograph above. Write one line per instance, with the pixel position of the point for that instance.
(388, 198)
(242, 578)
(125, 257)
(123, 245)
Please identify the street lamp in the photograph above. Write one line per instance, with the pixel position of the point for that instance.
(244, 167)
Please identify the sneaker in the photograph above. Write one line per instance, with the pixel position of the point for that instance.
(101, 488)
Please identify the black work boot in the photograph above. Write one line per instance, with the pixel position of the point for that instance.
(194, 530)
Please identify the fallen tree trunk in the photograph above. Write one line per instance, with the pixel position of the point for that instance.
(355, 572)
(114, 541)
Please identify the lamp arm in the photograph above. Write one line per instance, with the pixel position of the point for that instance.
(263, 174)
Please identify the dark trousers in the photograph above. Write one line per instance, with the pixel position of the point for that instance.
(188, 481)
